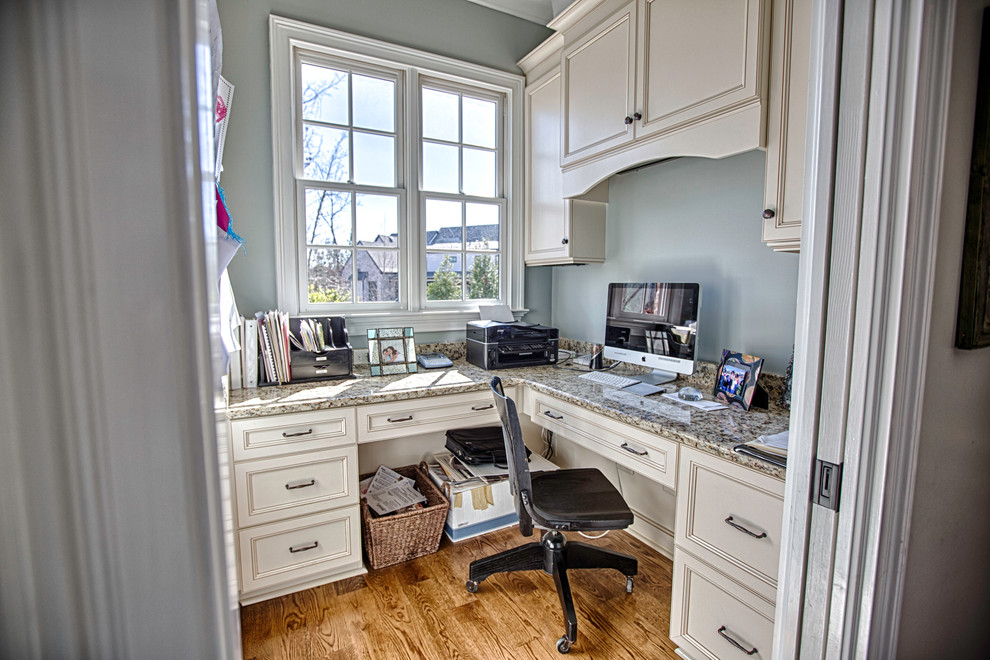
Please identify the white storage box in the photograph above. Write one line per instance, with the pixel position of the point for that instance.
(475, 509)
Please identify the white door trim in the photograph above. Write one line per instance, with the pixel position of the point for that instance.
(841, 577)
(112, 540)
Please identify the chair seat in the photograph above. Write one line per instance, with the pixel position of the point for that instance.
(582, 498)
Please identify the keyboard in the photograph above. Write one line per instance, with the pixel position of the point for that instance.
(610, 380)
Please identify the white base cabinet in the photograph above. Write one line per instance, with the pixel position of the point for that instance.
(299, 549)
(296, 498)
(714, 616)
(726, 550)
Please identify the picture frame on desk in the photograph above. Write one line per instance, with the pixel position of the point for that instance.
(392, 351)
(736, 381)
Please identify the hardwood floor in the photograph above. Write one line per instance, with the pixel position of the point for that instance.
(421, 609)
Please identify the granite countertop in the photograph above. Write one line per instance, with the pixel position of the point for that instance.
(715, 432)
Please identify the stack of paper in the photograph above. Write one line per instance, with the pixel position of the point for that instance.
(310, 337)
(273, 341)
(770, 448)
(388, 491)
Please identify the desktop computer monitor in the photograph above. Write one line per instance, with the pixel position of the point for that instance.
(653, 324)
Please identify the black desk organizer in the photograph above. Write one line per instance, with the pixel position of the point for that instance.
(338, 362)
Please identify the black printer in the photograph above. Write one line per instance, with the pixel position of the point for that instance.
(496, 345)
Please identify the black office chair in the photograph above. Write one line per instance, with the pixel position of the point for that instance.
(578, 500)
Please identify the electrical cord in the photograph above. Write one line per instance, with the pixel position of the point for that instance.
(588, 536)
(561, 365)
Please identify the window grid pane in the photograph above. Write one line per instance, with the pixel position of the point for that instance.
(349, 126)
(347, 130)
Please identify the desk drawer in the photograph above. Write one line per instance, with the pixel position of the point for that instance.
(708, 609)
(277, 435)
(730, 513)
(290, 551)
(385, 421)
(287, 486)
(646, 453)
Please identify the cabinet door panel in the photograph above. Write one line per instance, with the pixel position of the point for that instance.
(708, 609)
(700, 57)
(286, 486)
(546, 217)
(790, 59)
(293, 550)
(277, 435)
(729, 513)
(599, 87)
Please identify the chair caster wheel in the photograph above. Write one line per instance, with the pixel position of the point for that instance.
(472, 586)
(629, 585)
(563, 645)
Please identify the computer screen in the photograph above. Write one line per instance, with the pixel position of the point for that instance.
(653, 324)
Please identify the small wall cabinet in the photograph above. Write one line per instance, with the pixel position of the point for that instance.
(558, 230)
(786, 131)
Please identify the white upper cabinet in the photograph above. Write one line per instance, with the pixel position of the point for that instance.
(558, 231)
(700, 58)
(789, 72)
(599, 88)
(654, 79)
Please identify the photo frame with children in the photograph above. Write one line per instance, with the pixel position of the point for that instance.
(736, 379)
(391, 351)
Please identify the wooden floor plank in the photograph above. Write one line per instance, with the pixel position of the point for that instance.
(421, 609)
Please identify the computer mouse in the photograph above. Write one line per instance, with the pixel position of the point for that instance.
(690, 394)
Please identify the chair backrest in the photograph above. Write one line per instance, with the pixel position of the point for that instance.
(515, 454)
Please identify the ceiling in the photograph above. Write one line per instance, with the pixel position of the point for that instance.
(537, 11)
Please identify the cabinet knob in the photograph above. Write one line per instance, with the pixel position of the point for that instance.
(563, 241)
(768, 213)
(628, 120)
(636, 117)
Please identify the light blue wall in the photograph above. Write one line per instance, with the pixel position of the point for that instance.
(688, 219)
(454, 28)
(691, 220)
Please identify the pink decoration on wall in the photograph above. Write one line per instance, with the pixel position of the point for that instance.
(223, 218)
(221, 109)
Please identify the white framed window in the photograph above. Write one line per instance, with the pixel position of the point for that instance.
(394, 182)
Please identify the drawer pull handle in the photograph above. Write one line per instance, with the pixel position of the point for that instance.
(762, 535)
(551, 415)
(488, 407)
(304, 548)
(296, 435)
(721, 631)
(633, 451)
(302, 484)
(400, 419)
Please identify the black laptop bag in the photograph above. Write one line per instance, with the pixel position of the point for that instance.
(478, 446)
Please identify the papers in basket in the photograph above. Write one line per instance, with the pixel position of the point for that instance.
(388, 491)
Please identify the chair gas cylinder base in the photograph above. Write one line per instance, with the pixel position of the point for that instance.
(580, 500)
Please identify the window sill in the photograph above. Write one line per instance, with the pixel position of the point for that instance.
(439, 321)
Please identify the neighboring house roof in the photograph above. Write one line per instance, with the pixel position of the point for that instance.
(452, 235)
(385, 262)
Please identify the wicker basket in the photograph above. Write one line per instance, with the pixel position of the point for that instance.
(397, 538)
